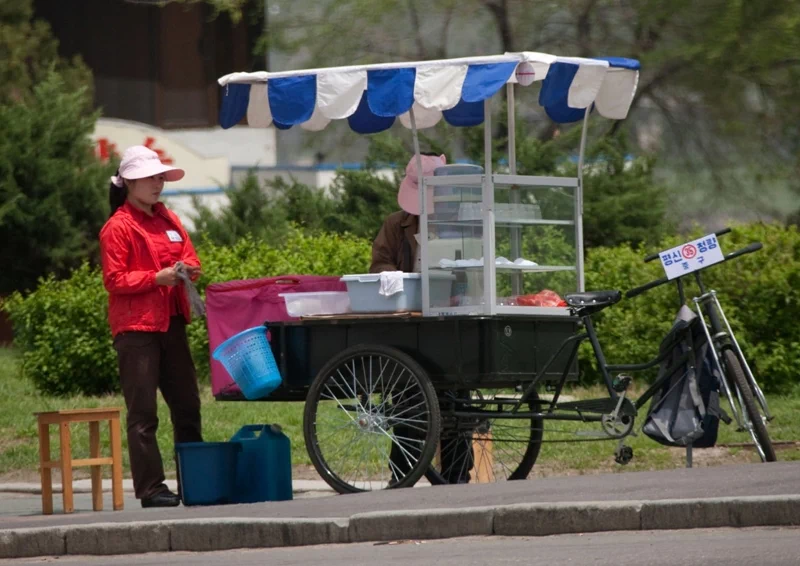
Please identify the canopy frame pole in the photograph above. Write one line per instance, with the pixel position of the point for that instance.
(514, 196)
(489, 277)
(579, 203)
(422, 248)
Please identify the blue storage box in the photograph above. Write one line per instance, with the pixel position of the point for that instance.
(207, 471)
(264, 467)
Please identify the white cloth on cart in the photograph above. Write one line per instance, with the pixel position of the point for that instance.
(391, 283)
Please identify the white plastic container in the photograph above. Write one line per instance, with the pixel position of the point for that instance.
(320, 302)
(365, 297)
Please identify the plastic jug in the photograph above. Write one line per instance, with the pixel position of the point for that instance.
(264, 467)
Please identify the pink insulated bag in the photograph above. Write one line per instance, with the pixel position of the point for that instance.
(234, 306)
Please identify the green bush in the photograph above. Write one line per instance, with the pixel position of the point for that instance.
(62, 333)
(61, 328)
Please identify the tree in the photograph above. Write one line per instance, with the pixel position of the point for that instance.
(250, 211)
(52, 188)
(357, 204)
(29, 52)
(362, 201)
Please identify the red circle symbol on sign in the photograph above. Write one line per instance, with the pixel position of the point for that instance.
(688, 251)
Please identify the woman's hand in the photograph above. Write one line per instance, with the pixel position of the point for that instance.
(167, 276)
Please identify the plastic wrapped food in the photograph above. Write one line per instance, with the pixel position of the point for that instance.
(544, 298)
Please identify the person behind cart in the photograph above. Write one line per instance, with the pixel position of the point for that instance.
(148, 310)
(396, 248)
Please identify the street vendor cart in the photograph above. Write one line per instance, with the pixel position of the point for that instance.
(448, 390)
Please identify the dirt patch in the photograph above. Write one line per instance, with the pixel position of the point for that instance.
(716, 456)
(32, 476)
(304, 472)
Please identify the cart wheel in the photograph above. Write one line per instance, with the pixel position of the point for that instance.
(487, 449)
(371, 420)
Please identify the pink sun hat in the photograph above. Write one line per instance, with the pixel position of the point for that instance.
(139, 162)
(408, 195)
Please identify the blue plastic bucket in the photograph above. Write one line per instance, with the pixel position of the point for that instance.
(249, 360)
(207, 471)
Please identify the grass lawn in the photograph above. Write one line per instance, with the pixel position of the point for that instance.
(19, 446)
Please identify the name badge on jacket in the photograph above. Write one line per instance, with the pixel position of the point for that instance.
(174, 236)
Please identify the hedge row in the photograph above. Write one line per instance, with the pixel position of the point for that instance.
(62, 333)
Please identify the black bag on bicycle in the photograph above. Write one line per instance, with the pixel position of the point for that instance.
(686, 409)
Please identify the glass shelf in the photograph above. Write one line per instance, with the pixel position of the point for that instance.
(503, 223)
(510, 268)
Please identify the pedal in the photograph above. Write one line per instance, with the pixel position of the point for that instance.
(621, 383)
(602, 406)
(623, 454)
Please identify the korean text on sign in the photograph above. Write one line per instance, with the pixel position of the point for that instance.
(691, 256)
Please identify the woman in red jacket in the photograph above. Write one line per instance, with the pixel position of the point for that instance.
(148, 310)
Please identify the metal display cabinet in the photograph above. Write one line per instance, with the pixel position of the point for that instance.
(500, 237)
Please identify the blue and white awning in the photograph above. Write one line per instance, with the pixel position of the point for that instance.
(372, 97)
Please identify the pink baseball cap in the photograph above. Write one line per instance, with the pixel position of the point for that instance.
(139, 162)
(408, 195)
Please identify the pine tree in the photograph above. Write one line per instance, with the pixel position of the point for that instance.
(52, 187)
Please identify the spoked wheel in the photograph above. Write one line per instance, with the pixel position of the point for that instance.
(489, 448)
(371, 420)
(751, 416)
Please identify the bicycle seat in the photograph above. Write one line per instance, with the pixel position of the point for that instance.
(592, 301)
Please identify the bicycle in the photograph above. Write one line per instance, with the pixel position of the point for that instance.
(728, 355)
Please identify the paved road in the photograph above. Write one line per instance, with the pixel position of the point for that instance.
(723, 547)
(778, 478)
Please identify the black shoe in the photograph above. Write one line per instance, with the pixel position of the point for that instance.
(162, 499)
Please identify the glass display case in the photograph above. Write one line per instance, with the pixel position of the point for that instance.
(510, 244)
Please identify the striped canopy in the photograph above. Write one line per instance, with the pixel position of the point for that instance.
(372, 97)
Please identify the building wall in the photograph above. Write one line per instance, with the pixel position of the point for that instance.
(151, 64)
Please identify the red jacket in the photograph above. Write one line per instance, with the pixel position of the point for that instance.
(135, 301)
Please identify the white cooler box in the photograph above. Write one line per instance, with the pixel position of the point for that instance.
(364, 295)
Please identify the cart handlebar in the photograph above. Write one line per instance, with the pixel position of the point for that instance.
(653, 256)
(754, 247)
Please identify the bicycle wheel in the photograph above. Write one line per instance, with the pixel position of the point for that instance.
(489, 448)
(750, 413)
(371, 420)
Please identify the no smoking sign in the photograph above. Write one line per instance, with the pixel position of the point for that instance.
(688, 251)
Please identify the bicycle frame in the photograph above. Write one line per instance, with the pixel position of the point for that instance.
(549, 411)
(719, 337)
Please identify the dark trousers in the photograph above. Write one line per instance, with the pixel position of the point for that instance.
(149, 361)
(455, 450)
(456, 453)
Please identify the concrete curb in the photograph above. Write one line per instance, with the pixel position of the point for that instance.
(538, 519)
(428, 524)
(203, 535)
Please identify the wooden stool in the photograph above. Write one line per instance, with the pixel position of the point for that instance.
(66, 463)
